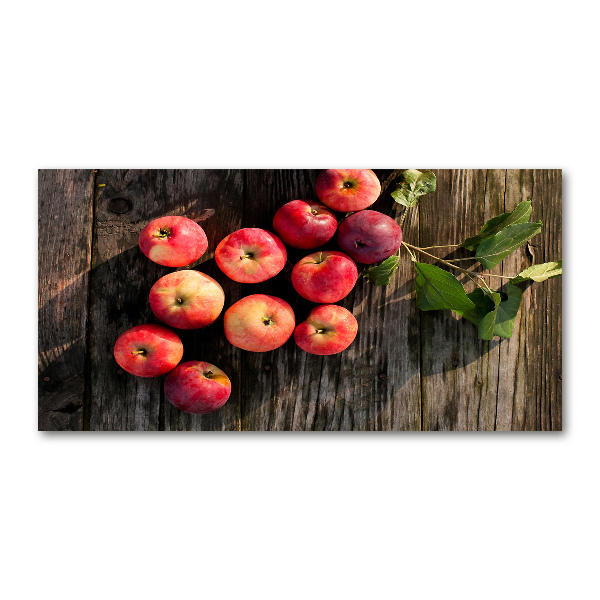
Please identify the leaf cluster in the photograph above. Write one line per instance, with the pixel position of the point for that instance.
(415, 185)
(492, 311)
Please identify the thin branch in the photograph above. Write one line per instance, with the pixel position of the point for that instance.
(445, 262)
(409, 251)
(461, 259)
(446, 246)
(436, 258)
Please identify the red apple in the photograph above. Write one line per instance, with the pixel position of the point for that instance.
(347, 190)
(304, 224)
(173, 241)
(251, 255)
(259, 323)
(369, 236)
(187, 299)
(148, 350)
(324, 277)
(197, 387)
(328, 329)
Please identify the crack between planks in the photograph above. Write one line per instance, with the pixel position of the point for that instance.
(421, 385)
(87, 379)
(312, 428)
(500, 343)
(537, 415)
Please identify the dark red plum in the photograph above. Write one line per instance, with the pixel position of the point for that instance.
(369, 236)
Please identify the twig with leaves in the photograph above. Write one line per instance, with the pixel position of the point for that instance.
(493, 312)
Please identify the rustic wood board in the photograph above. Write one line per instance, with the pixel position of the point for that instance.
(407, 370)
(65, 203)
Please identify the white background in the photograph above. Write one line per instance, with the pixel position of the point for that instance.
(311, 84)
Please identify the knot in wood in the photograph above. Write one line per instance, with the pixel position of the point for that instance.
(119, 206)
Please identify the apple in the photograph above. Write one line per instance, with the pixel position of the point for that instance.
(347, 190)
(148, 350)
(369, 236)
(197, 387)
(259, 323)
(324, 277)
(251, 255)
(304, 224)
(328, 329)
(173, 241)
(187, 299)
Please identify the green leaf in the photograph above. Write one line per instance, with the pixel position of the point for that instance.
(506, 311)
(520, 214)
(539, 272)
(381, 274)
(483, 305)
(495, 249)
(487, 324)
(415, 185)
(494, 315)
(437, 289)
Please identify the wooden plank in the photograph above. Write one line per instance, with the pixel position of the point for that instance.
(459, 372)
(372, 385)
(472, 384)
(64, 256)
(121, 280)
(543, 372)
(512, 380)
(379, 387)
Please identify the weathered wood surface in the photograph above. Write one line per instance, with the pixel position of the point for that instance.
(65, 202)
(407, 370)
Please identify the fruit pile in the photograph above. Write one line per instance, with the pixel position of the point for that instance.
(189, 299)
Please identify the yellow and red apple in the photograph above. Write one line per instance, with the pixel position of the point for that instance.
(250, 255)
(328, 329)
(324, 277)
(304, 224)
(347, 190)
(187, 299)
(197, 387)
(259, 323)
(148, 350)
(173, 241)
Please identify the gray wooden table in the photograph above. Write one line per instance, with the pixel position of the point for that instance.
(406, 370)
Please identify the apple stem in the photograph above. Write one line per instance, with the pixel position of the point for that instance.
(320, 330)
(142, 352)
(163, 233)
(208, 374)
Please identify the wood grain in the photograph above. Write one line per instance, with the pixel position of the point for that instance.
(65, 201)
(470, 384)
(543, 373)
(406, 370)
(459, 372)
